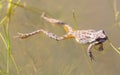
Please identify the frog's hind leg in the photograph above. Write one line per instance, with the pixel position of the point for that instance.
(58, 22)
(49, 34)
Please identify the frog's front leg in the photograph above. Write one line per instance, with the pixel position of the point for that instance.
(89, 52)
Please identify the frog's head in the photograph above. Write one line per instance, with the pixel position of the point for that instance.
(101, 36)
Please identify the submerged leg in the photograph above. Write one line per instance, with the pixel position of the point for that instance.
(89, 51)
(49, 34)
(59, 22)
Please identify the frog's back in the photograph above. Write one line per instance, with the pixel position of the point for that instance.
(84, 36)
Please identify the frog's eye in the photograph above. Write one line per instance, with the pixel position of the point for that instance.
(101, 31)
(104, 33)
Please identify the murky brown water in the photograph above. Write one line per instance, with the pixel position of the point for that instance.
(40, 55)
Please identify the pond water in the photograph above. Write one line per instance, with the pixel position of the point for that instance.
(41, 55)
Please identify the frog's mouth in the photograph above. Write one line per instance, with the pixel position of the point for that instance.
(100, 40)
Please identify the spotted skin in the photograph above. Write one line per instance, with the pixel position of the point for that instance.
(90, 37)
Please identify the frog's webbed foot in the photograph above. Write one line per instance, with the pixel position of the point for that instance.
(101, 47)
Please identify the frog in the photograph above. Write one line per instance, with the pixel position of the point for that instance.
(91, 37)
